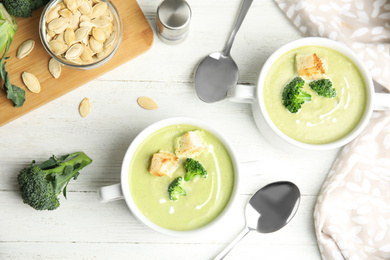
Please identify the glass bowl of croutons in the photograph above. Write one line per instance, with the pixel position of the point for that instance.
(81, 34)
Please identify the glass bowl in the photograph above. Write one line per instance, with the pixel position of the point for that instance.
(118, 31)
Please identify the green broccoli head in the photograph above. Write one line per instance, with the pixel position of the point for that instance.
(18, 8)
(194, 169)
(324, 88)
(36, 190)
(35, 4)
(41, 184)
(175, 189)
(23, 8)
(294, 96)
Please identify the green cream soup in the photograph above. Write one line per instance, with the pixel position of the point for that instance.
(205, 199)
(322, 120)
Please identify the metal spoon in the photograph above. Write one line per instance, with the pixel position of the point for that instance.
(268, 210)
(218, 72)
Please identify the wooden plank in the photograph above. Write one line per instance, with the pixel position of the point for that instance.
(137, 38)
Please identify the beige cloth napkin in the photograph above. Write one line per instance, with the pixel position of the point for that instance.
(352, 212)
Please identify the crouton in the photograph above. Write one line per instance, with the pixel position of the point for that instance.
(190, 145)
(311, 67)
(163, 164)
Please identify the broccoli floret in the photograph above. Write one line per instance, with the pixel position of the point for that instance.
(175, 189)
(294, 96)
(35, 4)
(194, 169)
(23, 8)
(41, 184)
(18, 8)
(323, 87)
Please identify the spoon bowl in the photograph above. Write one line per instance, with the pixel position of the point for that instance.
(215, 75)
(217, 72)
(268, 210)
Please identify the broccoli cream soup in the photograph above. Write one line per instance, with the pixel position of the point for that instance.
(206, 197)
(321, 120)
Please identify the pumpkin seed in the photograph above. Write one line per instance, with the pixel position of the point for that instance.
(98, 9)
(101, 21)
(58, 47)
(110, 40)
(84, 18)
(104, 53)
(50, 33)
(98, 34)
(57, 23)
(61, 29)
(66, 13)
(31, 82)
(69, 36)
(62, 5)
(86, 8)
(147, 103)
(59, 37)
(75, 20)
(79, 2)
(95, 45)
(85, 107)
(87, 24)
(25, 48)
(109, 14)
(81, 33)
(54, 68)
(74, 51)
(52, 13)
(71, 5)
(86, 55)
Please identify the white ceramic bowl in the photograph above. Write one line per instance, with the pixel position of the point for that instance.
(254, 95)
(122, 190)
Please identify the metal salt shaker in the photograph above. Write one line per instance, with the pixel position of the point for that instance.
(173, 21)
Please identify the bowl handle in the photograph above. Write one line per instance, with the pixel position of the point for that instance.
(242, 93)
(110, 193)
(381, 101)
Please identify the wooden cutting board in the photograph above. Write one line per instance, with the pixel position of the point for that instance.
(137, 38)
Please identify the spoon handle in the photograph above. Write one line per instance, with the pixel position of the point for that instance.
(241, 15)
(232, 244)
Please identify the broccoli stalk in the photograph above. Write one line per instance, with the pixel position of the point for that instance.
(194, 169)
(41, 184)
(294, 96)
(175, 190)
(7, 31)
(323, 87)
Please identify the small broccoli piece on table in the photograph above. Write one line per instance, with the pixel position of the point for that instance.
(41, 184)
(294, 96)
(194, 169)
(175, 190)
(324, 88)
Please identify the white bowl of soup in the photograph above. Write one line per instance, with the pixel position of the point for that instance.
(206, 199)
(322, 123)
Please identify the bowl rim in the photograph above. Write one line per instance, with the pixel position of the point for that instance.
(141, 137)
(336, 46)
(42, 36)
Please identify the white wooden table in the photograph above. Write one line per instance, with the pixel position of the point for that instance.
(82, 227)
